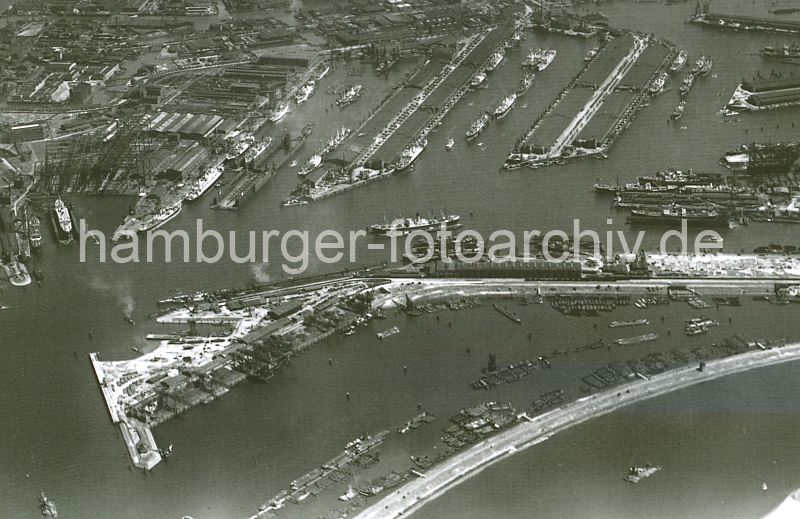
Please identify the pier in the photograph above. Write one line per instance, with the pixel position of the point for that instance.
(574, 125)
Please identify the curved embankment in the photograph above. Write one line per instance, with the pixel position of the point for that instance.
(464, 465)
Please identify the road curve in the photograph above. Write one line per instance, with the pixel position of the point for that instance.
(446, 475)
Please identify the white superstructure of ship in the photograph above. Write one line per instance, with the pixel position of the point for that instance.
(313, 163)
(350, 95)
(305, 92)
(505, 106)
(546, 58)
(410, 154)
(62, 215)
(340, 135)
(279, 112)
(494, 60)
(204, 183)
(238, 142)
(477, 79)
(256, 150)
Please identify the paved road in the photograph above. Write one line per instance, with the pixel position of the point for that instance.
(460, 467)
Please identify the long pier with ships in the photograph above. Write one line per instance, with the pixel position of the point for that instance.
(394, 136)
(616, 79)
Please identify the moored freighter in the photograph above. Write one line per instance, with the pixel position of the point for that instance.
(410, 154)
(62, 222)
(403, 226)
(679, 62)
(505, 106)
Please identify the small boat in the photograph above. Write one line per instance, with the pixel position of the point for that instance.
(293, 164)
(450, 144)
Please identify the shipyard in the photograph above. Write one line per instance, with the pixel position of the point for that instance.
(572, 244)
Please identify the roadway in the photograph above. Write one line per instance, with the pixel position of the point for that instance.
(440, 478)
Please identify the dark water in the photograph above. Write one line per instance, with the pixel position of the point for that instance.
(234, 453)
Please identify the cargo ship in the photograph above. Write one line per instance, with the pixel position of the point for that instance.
(313, 163)
(35, 232)
(505, 106)
(623, 324)
(678, 112)
(254, 152)
(337, 138)
(698, 65)
(47, 507)
(679, 62)
(477, 80)
(686, 86)
(349, 96)
(525, 83)
(545, 59)
(494, 60)
(675, 215)
(659, 84)
(531, 60)
(158, 219)
(204, 183)
(647, 337)
(539, 59)
(403, 226)
(324, 69)
(305, 92)
(789, 53)
(705, 68)
(279, 112)
(477, 126)
(62, 222)
(238, 143)
(410, 154)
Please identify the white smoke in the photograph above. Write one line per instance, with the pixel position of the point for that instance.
(121, 290)
(260, 273)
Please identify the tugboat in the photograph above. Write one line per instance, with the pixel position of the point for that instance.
(698, 65)
(477, 126)
(48, 507)
(678, 112)
(636, 474)
(505, 106)
(450, 144)
(591, 54)
(679, 61)
(687, 85)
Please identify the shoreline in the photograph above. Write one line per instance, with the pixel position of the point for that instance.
(416, 494)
